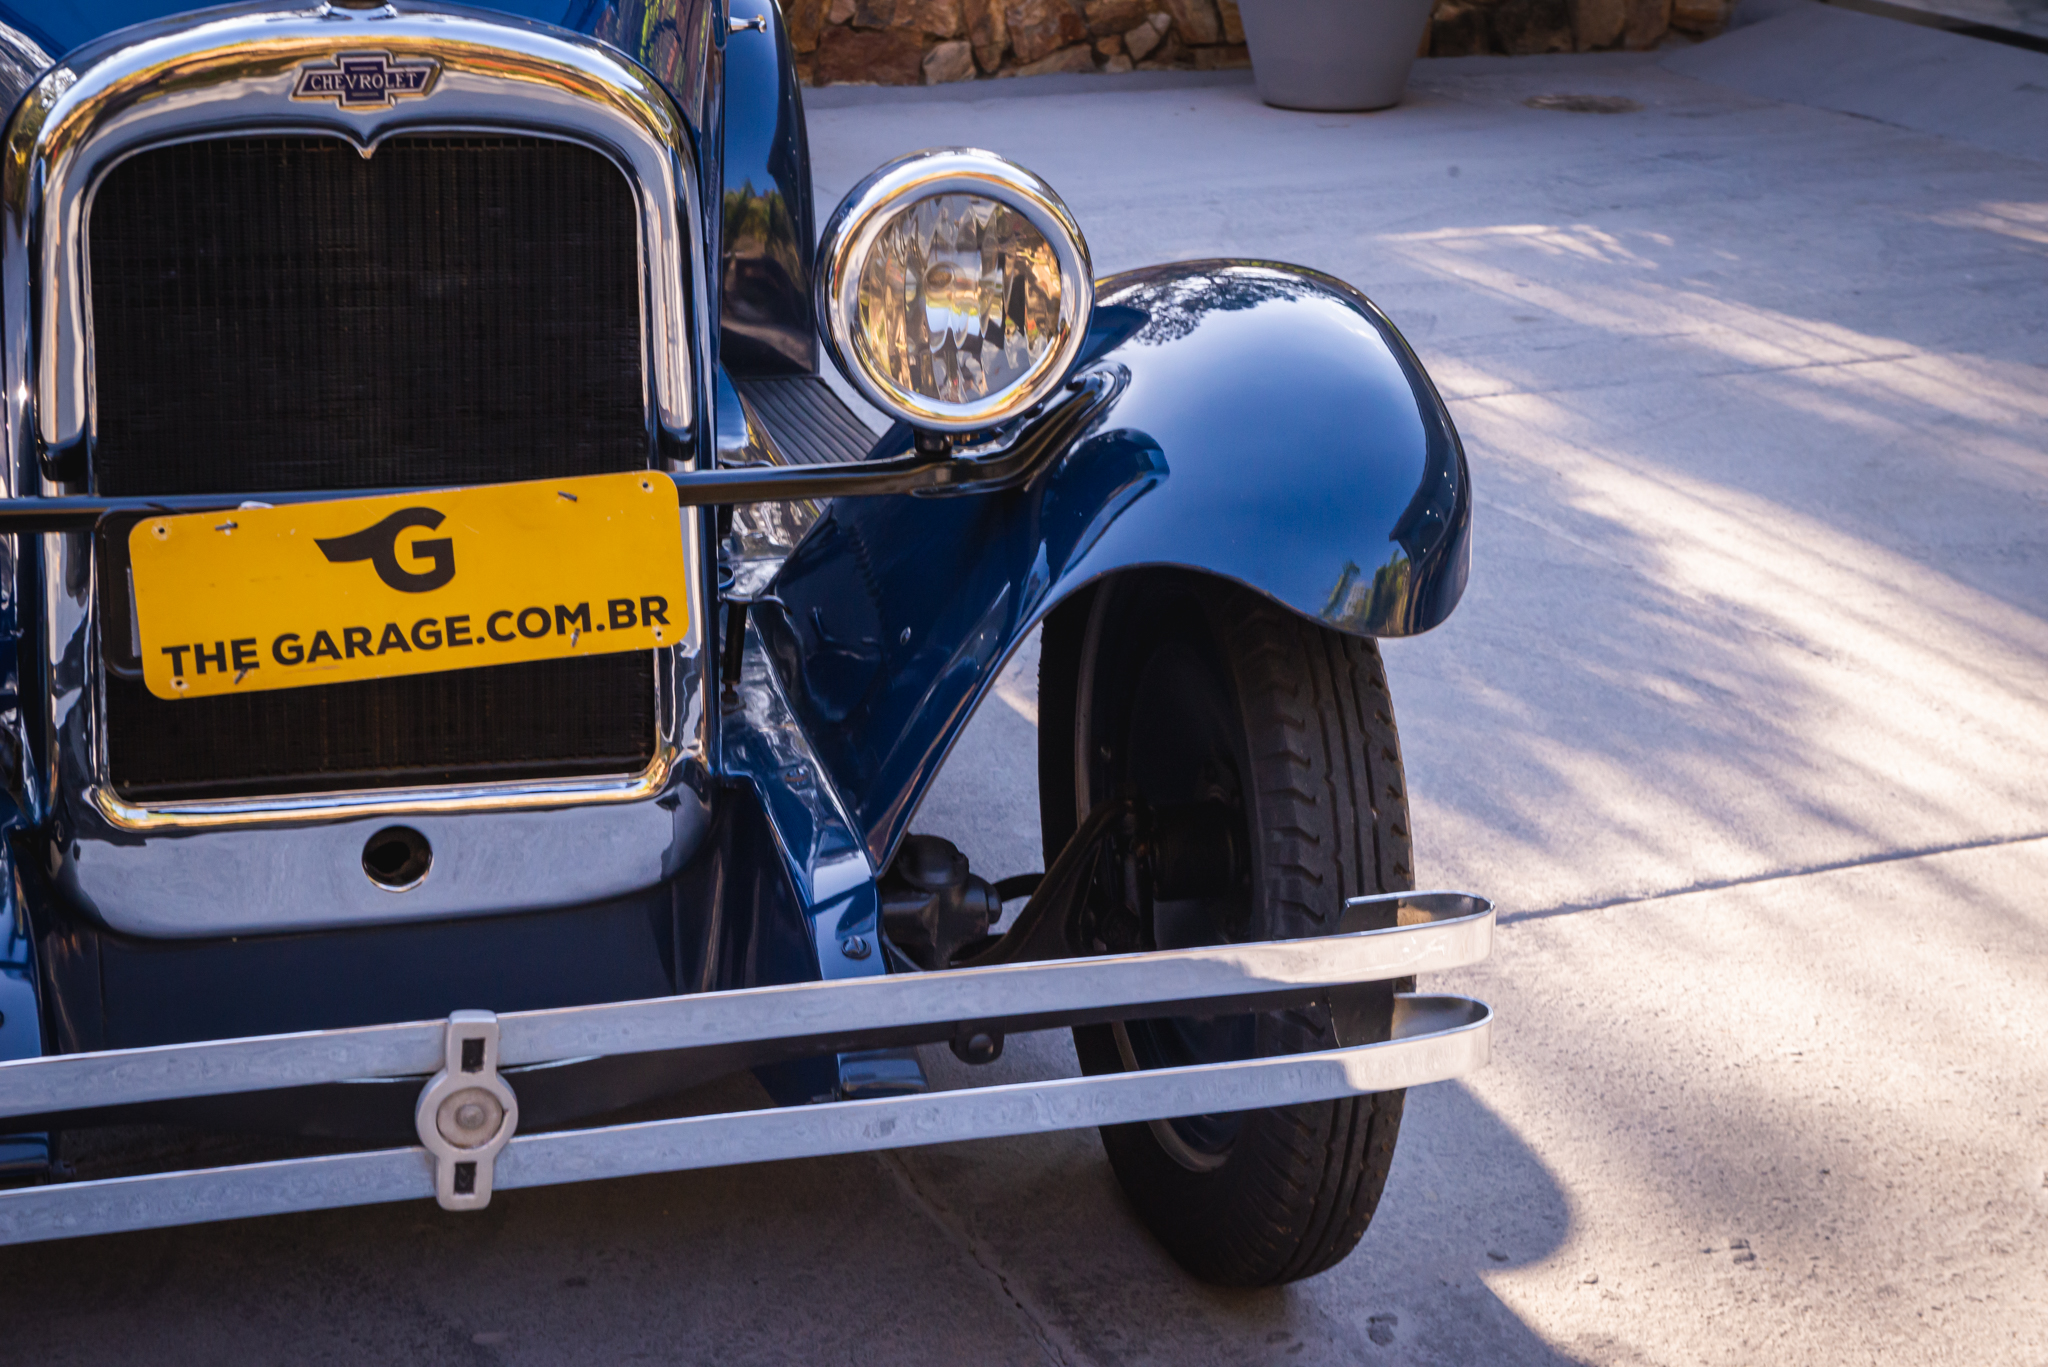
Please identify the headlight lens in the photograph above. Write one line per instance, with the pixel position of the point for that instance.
(959, 299)
(953, 289)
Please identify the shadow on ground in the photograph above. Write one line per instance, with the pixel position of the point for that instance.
(1015, 1251)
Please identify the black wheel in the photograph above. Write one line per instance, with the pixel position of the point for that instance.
(1194, 696)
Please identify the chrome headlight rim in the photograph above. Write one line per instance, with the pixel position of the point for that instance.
(871, 206)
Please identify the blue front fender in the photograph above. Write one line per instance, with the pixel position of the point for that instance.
(1274, 429)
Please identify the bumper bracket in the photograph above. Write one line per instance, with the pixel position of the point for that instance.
(467, 1113)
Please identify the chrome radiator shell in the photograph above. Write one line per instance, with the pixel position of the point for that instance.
(209, 867)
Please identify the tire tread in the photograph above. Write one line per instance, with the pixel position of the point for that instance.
(1301, 1186)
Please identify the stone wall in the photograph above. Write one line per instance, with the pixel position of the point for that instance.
(926, 42)
(1465, 28)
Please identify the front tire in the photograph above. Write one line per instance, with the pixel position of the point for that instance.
(1183, 691)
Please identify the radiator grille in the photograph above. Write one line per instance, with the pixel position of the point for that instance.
(546, 719)
(281, 313)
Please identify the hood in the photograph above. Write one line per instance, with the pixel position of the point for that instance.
(675, 40)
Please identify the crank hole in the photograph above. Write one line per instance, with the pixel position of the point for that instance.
(397, 858)
(978, 1046)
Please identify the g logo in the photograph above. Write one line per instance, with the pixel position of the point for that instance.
(379, 546)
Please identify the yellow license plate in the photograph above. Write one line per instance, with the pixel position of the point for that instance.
(372, 588)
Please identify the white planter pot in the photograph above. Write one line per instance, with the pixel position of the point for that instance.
(1333, 54)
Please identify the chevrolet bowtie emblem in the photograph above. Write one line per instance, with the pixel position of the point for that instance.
(365, 80)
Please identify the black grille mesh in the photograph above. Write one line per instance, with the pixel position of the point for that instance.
(547, 719)
(280, 313)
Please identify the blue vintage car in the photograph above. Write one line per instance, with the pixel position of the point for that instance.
(466, 673)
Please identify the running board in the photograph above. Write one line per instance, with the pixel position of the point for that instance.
(468, 1116)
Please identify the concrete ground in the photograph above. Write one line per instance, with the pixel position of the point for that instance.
(1743, 722)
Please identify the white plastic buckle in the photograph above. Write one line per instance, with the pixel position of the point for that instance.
(467, 1113)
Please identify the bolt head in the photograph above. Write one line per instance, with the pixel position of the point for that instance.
(470, 1118)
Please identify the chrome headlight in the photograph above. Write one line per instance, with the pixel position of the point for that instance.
(953, 289)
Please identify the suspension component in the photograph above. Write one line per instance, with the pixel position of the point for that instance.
(931, 905)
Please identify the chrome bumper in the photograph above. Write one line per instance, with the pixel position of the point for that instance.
(1434, 1038)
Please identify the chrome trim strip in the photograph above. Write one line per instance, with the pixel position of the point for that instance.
(1439, 931)
(1436, 1038)
(478, 797)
